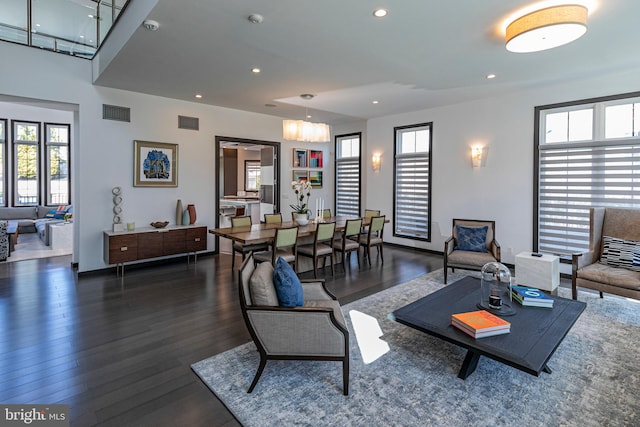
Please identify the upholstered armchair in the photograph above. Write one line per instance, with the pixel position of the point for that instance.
(315, 331)
(612, 263)
(472, 244)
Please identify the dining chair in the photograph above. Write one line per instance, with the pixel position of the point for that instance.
(348, 241)
(368, 214)
(285, 245)
(322, 246)
(243, 221)
(373, 237)
(326, 213)
(274, 218)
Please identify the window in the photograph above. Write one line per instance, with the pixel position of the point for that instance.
(588, 154)
(347, 177)
(26, 140)
(251, 175)
(3, 150)
(412, 196)
(57, 154)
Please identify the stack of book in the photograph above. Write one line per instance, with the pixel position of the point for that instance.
(531, 297)
(480, 324)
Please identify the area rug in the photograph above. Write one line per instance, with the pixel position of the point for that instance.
(595, 379)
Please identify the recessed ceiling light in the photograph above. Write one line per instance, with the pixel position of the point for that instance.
(198, 95)
(375, 102)
(491, 76)
(380, 13)
(37, 25)
(81, 37)
(256, 70)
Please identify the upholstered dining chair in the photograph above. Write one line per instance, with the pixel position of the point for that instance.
(274, 218)
(317, 330)
(243, 221)
(322, 246)
(348, 241)
(368, 214)
(373, 237)
(285, 245)
(326, 213)
(472, 244)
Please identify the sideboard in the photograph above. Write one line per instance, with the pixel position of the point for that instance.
(148, 242)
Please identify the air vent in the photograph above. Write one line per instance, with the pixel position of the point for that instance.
(192, 123)
(113, 112)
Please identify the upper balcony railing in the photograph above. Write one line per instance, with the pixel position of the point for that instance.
(72, 27)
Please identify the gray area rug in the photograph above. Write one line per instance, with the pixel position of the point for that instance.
(595, 379)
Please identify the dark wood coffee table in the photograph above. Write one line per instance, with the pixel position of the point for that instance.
(535, 332)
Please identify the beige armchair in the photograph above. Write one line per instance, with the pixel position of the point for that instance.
(315, 331)
(589, 270)
(454, 257)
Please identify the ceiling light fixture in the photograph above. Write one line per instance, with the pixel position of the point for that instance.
(255, 18)
(197, 95)
(547, 28)
(491, 76)
(256, 70)
(299, 130)
(380, 13)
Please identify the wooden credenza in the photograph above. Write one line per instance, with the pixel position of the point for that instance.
(148, 242)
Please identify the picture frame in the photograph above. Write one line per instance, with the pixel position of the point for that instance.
(315, 178)
(316, 159)
(155, 164)
(297, 174)
(299, 159)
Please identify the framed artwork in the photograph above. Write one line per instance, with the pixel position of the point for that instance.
(299, 174)
(300, 158)
(315, 177)
(155, 164)
(315, 159)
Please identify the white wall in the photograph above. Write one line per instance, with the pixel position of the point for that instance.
(501, 190)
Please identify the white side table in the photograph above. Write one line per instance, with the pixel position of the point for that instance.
(538, 272)
(61, 236)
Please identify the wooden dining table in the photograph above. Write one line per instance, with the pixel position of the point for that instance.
(261, 233)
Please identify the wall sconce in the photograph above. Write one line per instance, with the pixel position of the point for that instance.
(477, 156)
(376, 160)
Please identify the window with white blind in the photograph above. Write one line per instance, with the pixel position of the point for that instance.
(347, 177)
(3, 150)
(588, 154)
(412, 181)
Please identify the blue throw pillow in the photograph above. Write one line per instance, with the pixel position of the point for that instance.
(51, 214)
(471, 238)
(288, 286)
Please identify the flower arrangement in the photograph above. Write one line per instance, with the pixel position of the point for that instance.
(302, 188)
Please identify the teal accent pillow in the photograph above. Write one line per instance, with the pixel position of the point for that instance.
(51, 214)
(471, 238)
(288, 286)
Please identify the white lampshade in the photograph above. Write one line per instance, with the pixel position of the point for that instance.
(299, 130)
(547, 28)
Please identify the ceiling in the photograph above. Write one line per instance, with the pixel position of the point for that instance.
(425, 53)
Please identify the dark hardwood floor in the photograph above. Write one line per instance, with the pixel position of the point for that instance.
(119, 351)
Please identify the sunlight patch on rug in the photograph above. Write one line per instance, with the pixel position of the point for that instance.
(367, 331)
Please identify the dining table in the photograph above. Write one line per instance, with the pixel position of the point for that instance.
(264, 233)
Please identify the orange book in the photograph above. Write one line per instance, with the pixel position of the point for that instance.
(480, 322)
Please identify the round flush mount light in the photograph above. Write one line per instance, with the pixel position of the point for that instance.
(547, 28)
(151, 25)
(307, 96)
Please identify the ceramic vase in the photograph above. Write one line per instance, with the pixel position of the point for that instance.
(179, 210)
(192, 213)
(185, 217)
(302, 219)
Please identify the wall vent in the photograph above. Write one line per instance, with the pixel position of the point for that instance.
(113, 112)
(192, 123)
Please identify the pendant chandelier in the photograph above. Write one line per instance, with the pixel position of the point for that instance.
(300, 130)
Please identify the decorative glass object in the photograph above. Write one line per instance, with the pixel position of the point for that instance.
(495, 295)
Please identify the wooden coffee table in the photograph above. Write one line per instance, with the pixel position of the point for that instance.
(535, 332)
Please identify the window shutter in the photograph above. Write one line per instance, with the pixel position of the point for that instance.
(348, 186)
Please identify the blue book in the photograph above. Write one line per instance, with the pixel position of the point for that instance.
(531, 296)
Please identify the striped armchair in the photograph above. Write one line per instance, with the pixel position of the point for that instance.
(315, 331)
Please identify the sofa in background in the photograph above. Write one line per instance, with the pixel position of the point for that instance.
(35, 219)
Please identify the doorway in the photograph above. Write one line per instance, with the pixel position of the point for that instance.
(248, 174)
